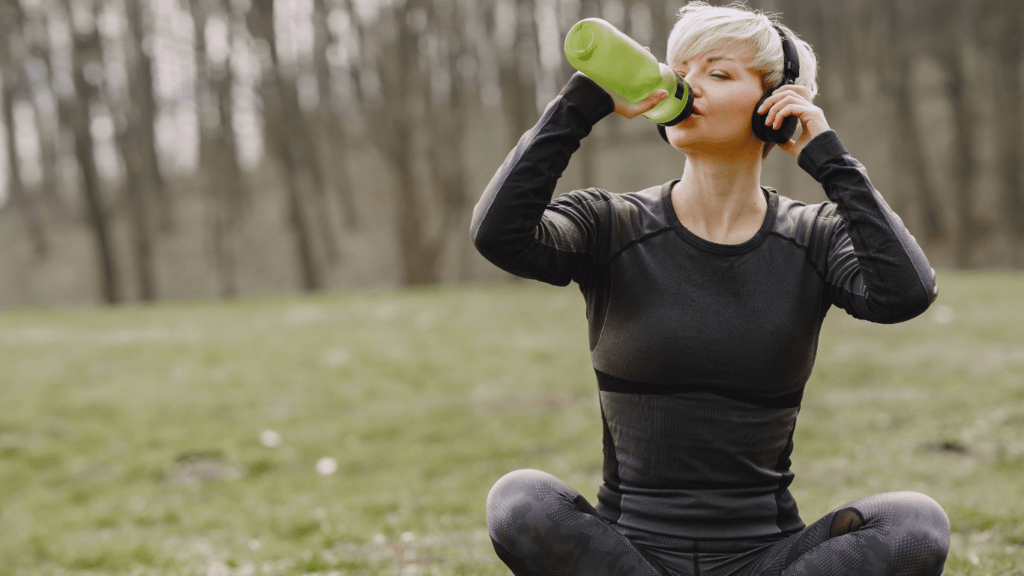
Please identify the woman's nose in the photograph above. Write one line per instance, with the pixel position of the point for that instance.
(694, 83)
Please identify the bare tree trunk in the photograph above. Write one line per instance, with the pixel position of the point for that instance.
(908, 147)
(1009, 93)
(12, 52)
(585, 157)
(142, 246)
(303, 147)
(418, 267)
(330, 127)
(946, 45)
(45, 115)
(278, 102)
(33, 223)
(233, 190)
(447, 127)
(855, 31)
(963, 161)
(516, 64)
(310, 271)
(339, 148)
(49, 130)
(88, 56)
(404, 98)
(828, 32)
(218, 168)
(222, 83)
(136, 143)
(144, 100)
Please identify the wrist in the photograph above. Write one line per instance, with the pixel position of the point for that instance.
(588, 96)
(819, 150)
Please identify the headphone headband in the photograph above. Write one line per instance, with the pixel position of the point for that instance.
(790, 60)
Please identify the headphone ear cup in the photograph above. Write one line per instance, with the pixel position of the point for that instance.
(757, 122)
(664, 135)
(786, 131)
(767, 133)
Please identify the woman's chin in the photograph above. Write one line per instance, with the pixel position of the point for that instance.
(691, 143)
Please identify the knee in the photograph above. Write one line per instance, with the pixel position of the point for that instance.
(924, 513)
(922, 530)
(520, 494)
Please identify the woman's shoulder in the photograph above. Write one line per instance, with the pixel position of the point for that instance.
(804, 224)
(629, 205)
(615, 219)
(649, 195)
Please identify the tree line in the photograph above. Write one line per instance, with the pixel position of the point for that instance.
(110, 105)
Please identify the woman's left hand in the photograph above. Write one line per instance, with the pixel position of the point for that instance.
(794, 100)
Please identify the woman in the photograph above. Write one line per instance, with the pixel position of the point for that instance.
(705, 296)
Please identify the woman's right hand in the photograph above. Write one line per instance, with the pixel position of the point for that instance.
(627, 109)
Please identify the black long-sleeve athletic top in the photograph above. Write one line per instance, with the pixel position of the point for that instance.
(701, 349)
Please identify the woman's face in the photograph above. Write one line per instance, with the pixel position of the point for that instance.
(725, 91)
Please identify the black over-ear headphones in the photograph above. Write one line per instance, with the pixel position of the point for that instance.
(790, 72)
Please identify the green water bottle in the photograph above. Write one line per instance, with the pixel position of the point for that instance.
(619, 64)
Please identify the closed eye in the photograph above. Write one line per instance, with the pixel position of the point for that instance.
(720, 75)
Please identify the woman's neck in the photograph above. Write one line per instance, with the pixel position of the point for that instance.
(720, 199)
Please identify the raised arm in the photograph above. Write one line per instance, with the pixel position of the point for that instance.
(876, 269)
(512, 225)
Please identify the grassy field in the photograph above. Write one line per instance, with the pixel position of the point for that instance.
(359, 433)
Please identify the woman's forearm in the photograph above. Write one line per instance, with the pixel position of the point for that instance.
(877, 270)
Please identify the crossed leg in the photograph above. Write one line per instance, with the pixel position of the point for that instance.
(541, 526)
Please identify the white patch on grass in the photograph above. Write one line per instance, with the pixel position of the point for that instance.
(408, 536)
(255, 544)
(379, 539)
(326, 466)
(270, 438)
(217, 568)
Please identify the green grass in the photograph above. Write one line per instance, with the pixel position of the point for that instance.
(129, 438)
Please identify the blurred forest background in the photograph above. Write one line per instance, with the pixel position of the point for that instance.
(170, 149)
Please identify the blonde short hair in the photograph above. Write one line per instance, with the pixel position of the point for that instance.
(702, 28)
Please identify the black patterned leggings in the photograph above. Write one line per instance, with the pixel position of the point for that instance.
(541, 526)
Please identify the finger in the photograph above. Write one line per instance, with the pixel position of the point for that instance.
(797, 88)
(789, 110)
(770, 101)
(776, 100)
(789, 90)
(652, 100)
(802, 105)
(628, 109)
(776, 107)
